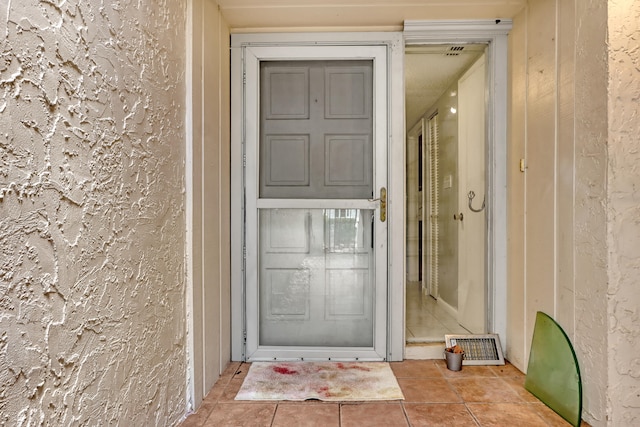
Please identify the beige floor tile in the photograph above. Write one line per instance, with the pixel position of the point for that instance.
(214, 395)
(506, 414)
(241, 371)
(230, 371)
(230, 391)
(439, 415)
(194, 420)
(477, 396)
(517, 385)
(307, 415)
(241, 414)
(416, 369)
(550, 416)
(507, 370)
(209, 402)
(427, 390)
(466, 371)
(372, 415)
(490, 390)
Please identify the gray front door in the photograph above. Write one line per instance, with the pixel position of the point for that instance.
(319, 235)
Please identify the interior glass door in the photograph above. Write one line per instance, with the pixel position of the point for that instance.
(316, 283)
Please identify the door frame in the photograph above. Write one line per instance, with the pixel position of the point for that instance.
(395, 157)
(494, 33)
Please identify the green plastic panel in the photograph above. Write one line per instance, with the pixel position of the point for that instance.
(553, 375)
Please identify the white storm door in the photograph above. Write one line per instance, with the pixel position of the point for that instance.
(315, 234)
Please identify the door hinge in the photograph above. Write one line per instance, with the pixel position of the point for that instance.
(244, 160)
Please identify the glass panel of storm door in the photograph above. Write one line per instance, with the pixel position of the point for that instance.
(316, 129)
(316, 277)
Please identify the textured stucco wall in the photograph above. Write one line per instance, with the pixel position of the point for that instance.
(92, 312)
(590, 199)
(624, 213)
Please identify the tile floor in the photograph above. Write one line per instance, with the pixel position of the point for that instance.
(427, 321)
(434, 396)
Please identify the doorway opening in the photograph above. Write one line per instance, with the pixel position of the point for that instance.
(247, 53)
(446, 227)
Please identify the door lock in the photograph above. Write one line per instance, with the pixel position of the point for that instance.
(458, 217)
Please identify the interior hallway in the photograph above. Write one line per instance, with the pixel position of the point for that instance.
(426, 320)
(434, 396)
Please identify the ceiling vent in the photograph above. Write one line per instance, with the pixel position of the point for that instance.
(454, 50)
(478, 349)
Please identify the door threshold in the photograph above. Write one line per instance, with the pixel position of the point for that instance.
(423, 351)
(425, 340)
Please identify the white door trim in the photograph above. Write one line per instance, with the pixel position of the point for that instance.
(493, 32)
(395, 289)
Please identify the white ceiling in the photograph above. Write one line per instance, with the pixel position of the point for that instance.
(316, 14)
(429, 71)
(427, 74)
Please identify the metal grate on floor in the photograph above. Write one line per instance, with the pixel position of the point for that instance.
(478, 349)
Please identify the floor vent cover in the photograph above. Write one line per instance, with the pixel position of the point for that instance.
(478, 349)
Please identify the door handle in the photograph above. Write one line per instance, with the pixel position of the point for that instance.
(383, 203)
(458, 217)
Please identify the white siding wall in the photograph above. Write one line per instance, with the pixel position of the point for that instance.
(571, 214)
(208, 191)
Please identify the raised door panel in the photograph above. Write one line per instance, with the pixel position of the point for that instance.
(316, 130)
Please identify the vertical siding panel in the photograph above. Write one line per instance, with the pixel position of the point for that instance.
(225, 192)
(516, 193)
(211, 194)
(564, 104)
(540, 153)
(194, 168)
(209, 170)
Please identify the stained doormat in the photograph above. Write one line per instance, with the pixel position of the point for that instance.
(326, 381)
